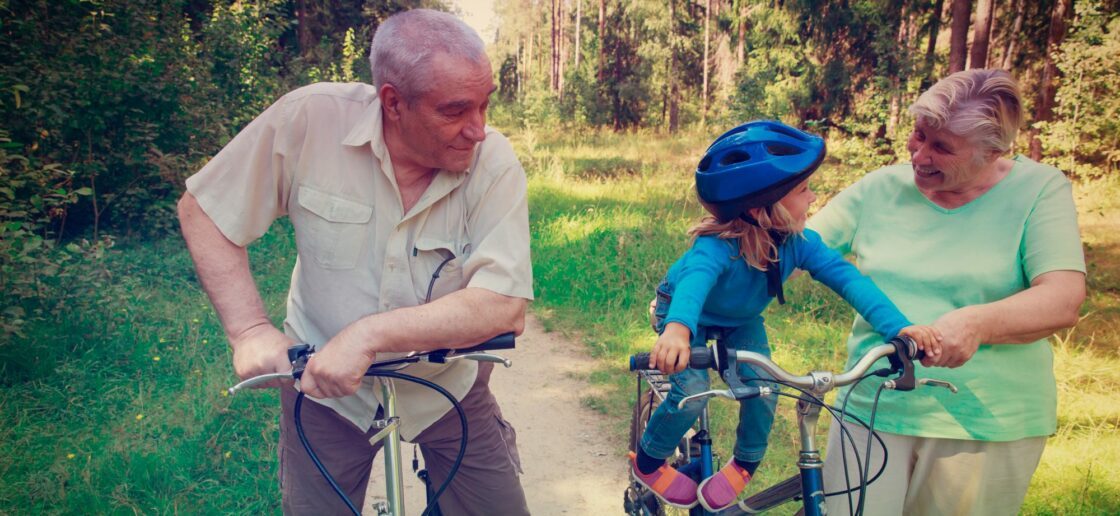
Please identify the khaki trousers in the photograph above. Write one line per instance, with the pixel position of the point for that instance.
(931, 476)
(487, 481)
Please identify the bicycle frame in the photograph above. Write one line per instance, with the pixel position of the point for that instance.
(390, 435)
(389, 426)
(809, 483)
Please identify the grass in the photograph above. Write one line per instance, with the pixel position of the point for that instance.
(116, 406)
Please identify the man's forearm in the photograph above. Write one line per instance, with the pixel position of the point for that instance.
(223, 269)
(457, 320)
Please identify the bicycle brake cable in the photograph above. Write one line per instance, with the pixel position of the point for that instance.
(390, 374)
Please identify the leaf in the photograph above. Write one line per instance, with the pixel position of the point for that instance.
(85, 190)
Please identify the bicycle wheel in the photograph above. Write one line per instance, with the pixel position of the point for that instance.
(637, 500)
(641, 501)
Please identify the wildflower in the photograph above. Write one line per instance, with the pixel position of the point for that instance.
(70, 456)
(229, 454)
(155, 358)
(139, 417)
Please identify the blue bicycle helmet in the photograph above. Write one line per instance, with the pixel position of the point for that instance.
(755, 165)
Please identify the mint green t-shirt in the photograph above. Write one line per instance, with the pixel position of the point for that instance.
(930, 260)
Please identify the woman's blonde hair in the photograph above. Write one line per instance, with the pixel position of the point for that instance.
(982, 105)
(756, 246)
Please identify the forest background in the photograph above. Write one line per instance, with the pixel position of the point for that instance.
(111, 360)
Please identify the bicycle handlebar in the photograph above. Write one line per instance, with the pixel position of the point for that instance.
(299, 353)
(902, 351)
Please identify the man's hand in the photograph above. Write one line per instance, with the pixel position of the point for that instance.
(336, 370)
(673, 348)
(261, 350)
(960, 337)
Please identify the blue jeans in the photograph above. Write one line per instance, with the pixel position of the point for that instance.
(668, 424)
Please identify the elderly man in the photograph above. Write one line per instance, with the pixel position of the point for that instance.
(411, 227)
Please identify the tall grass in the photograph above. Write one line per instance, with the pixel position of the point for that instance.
(609, 215)
(119, 406)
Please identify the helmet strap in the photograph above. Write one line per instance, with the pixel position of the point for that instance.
(773, 271)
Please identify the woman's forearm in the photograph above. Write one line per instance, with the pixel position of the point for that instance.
(1051, 303)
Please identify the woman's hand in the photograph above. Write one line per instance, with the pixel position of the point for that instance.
(960, 337)
(671, 352)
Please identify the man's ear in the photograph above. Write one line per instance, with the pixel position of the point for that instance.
(391, 101)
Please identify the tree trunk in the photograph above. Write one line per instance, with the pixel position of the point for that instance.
(602, 33)
(931, 47)
(741, 46)
(562, 46)
(579, 25)
(902, 42)
(1044, 107)
(704, 93)
(958, 35)
(674, 103)
(303, 28)
(981, 34)
(1012, 46)
(554, 64)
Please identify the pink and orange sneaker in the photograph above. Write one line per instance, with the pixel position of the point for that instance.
(721, 490)
(672, 486)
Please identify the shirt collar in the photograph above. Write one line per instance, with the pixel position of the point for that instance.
(368, 131)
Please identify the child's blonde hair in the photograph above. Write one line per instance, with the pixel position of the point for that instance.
(756, 245)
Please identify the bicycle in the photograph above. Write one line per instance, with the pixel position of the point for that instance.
(388, 426)
(694, 455)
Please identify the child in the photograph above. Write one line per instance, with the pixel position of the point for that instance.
(754, 181)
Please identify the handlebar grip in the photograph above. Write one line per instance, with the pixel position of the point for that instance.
(503, 341)
(909, 346)
(700, 358)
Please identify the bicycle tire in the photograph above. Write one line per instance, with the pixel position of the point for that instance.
(637, 500)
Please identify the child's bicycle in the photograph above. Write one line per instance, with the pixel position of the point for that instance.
(694, 453)
(388, 426)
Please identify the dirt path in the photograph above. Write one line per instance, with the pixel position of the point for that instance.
(568, 469)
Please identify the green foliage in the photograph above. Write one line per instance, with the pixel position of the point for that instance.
(39, 278)
(1085, 135)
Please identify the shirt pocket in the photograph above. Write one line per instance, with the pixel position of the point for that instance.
(334, 231)
(437, 267)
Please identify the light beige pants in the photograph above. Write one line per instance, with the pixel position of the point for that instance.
(931, 476)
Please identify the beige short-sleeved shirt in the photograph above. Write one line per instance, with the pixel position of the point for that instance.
(317, 155)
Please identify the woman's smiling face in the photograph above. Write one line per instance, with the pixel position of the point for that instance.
(943, 161)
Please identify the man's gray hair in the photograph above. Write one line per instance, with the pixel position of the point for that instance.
(405, 43)
(981, 105)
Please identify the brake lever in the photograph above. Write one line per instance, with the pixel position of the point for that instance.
(297, 355)
(706, 394)
(938, 383)
(477, 356)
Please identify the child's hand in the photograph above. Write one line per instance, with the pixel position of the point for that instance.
(671, 352)
(927, 338)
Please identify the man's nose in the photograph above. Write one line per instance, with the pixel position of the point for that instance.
(475, 128)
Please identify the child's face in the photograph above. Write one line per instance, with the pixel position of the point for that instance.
(797, 202)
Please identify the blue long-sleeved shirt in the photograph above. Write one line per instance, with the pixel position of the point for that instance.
(711, 285)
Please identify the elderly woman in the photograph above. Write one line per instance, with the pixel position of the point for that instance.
(986, 248)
